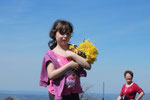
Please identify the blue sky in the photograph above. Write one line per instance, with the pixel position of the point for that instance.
(118, 28)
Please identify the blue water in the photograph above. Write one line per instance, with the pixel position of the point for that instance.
(44, 96)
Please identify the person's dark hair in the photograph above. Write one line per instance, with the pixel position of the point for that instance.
(61, 26)
(128, 71)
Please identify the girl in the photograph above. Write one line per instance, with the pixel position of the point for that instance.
(59, 62)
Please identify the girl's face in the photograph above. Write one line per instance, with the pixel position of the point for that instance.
(128, 78)
(62, 39)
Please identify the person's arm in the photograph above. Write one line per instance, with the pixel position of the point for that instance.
(56, 73)
(80, 60)
(119, 98)
(140, 96)
(140, 91)
(121, 93)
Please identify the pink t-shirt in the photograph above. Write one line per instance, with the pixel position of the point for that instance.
(130, 91)
(72, 82)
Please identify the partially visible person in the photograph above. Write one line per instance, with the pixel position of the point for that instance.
(130, 89)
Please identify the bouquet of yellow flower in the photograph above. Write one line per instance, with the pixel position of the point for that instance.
(87, 50)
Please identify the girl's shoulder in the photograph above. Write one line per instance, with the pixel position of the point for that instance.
(50, 56)
(50, 53)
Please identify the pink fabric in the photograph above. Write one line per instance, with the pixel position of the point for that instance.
(44, 81)
(68, 90)
(75, 89)
(130, 91)
(51, 88)
(57, 85)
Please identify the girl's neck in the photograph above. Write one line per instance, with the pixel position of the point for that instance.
(61, 50)
(62, 47)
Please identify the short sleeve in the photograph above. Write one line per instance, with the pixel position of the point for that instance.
(44, 81)
(47, 58)
(138, 89)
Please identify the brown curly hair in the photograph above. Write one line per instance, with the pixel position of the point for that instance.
(128, 71)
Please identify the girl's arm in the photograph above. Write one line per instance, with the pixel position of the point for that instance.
(119, 98)
(140, 96)
(56, 73)
(80, 60)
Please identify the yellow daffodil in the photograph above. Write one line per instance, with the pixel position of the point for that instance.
(87, 50)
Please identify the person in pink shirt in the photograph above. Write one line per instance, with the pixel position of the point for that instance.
(58, 64)
(130, 89)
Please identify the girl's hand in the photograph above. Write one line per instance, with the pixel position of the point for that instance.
(69, 54)
(74, 65)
